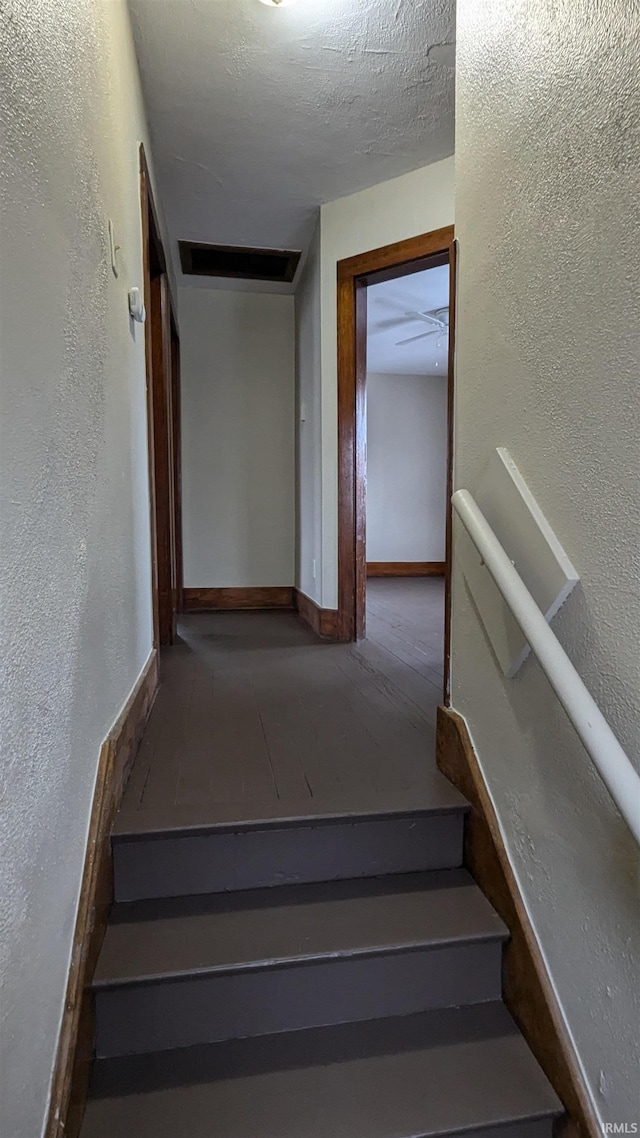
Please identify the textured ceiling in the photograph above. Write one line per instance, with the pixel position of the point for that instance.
(258, 115)
(388, 322)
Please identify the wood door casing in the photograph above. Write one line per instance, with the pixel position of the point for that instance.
(453, 257)
(354, 274)
(352, 442)
(163, 456)
(177, 468)
(162, 357)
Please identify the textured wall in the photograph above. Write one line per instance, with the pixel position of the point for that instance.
(75, 565)
(548, 343)
(309, 433)
(406, 467)
(403, 207)
(238, 462)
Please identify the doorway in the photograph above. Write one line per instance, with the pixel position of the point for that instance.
(355, 277)
(162, 350)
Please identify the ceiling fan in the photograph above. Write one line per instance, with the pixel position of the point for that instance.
(437, 318)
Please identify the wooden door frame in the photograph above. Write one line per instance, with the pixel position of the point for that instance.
(353, 276)
(163, 417)
(177, 463)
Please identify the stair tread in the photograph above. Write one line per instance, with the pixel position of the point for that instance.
(134, 822)
(404, 1077)
(293, 924)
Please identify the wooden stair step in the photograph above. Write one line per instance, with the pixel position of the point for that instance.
(463, 1070)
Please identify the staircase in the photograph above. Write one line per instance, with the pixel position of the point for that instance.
(325, 977)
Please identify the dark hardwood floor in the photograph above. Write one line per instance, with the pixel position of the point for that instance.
(256, 718)
(405, 617)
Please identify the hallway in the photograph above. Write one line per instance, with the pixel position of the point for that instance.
(240, 896)
(295, 950)
(257, 718)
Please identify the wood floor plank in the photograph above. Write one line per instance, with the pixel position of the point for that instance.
(426, 661)
(256, 714)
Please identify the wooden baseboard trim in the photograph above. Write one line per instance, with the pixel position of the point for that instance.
(213, 600)
(405, 568)
(324, 622)
(527, 988)
(75, 1043)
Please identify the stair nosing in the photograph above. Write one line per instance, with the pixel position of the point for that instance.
(543, 1102)
(154, 832)
(400, 948)
(414, 892)
(495, 1124)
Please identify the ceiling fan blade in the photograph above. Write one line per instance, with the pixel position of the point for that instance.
(425, 317)
(422, 336)
(390, 322)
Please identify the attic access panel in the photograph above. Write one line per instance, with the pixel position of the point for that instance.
(238, 262)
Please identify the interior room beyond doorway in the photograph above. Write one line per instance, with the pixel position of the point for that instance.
(406, 465)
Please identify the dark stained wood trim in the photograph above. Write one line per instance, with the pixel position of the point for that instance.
(360, 465)
(146, 208)
(75, 1044)
(353, 276)
(152, 217)
(267, 597)
(346, 456)
(324, 622)
(150, 208)
(527, 988)
(160, 321)
(352, 438)
(177, 468)
(161, 361)
(405, 568)
(401, 253)
(453, 280)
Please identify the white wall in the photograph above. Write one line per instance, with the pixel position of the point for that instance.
(309, 432)
(75, 550)
(238, 457)
(403, 207)
(406, 467)
(548, 343)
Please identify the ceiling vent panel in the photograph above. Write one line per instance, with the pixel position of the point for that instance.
(238, 262)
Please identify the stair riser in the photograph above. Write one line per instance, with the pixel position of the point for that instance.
(251, 859)
(165, 1014)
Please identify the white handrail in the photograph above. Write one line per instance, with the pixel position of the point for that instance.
(611, 761)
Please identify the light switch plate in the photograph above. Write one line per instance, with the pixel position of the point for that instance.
(113, 248)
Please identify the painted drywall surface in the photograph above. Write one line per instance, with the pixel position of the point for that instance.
(75, 550)
(308, 430)
(406, 467)
(403, 207)
(238, 454)
(548, 342)
(260, 115)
